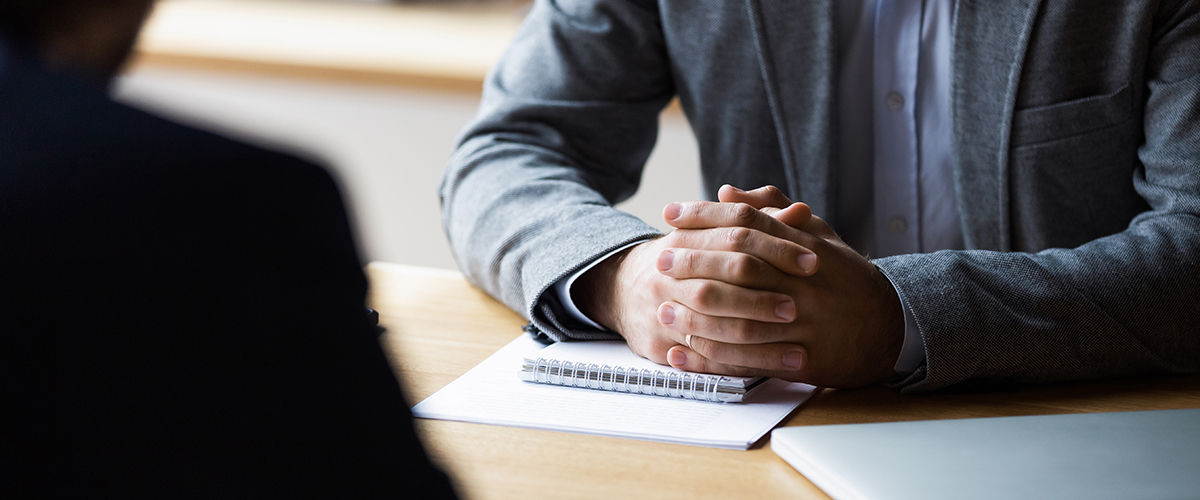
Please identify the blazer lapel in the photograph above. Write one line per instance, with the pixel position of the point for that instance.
(797, 50)
(990, 40)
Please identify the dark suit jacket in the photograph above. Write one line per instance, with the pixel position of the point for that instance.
(1076, 146)
(181, 315)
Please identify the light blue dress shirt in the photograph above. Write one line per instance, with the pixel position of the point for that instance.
(894, 169)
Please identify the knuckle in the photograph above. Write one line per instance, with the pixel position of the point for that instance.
(686, 320)
(742, 266)
(743, 213)
(767, 359)
(657, 351)
(673, 238)
(703, 347)
(765, 304)
(788, 253)
(699, 363)
(640, 346)
(703, 293)
(740, 332)
(687, 261)
(659, 286)
(737, 237)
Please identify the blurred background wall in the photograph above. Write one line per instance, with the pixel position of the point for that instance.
(378, 91)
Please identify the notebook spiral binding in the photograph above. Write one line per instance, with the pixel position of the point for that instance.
(633, 380)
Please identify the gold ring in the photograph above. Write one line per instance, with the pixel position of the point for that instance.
(687, 339)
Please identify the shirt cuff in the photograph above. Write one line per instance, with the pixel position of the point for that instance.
(563, 289)
(912, 352)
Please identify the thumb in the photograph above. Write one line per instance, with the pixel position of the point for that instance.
(797, 215)
(763, 197)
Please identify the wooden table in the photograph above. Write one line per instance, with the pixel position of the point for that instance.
(439, 327)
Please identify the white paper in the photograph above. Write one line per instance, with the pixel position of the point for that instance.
(492, 393)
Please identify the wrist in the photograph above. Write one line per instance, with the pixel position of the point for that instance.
(595, 292)
(892, 327)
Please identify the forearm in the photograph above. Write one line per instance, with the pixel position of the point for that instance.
(515, 230)
(1119, 306)
(563, 133)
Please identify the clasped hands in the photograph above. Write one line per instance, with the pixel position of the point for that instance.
(752, 285)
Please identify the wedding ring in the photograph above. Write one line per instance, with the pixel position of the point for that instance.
(687, 339)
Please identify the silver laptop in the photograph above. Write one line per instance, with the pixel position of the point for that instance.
(1144, 454)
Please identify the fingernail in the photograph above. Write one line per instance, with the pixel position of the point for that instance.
(808, 262)
(677, 357)
(672, 211)
(666, 259)
(786, 310)
(793, 359)
(735, 188)
(666, 315)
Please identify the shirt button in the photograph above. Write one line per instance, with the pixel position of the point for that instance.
(897, 224)
(895, 101)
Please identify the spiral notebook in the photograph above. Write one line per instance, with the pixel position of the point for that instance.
(493, 393)
(610, 366)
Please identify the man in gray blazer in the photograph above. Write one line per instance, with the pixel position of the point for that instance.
(1026, 173)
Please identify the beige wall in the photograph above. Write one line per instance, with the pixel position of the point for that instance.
(388, 145)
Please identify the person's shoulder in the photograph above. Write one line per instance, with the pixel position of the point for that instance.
(52, 121)
(73, 159)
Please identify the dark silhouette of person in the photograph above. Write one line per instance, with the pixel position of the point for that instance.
(181, 315)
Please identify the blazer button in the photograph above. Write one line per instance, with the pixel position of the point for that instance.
(895, 101)
(897, 224)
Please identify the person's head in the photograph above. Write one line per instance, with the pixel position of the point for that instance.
(88, 36)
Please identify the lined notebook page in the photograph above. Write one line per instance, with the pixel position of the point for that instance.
(493, 393)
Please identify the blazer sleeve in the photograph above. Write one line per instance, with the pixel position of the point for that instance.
(568, 118)
(1120, 305)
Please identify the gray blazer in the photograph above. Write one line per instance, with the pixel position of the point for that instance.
(1076, 149)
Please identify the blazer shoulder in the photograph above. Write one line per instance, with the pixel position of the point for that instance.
(55, 122)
